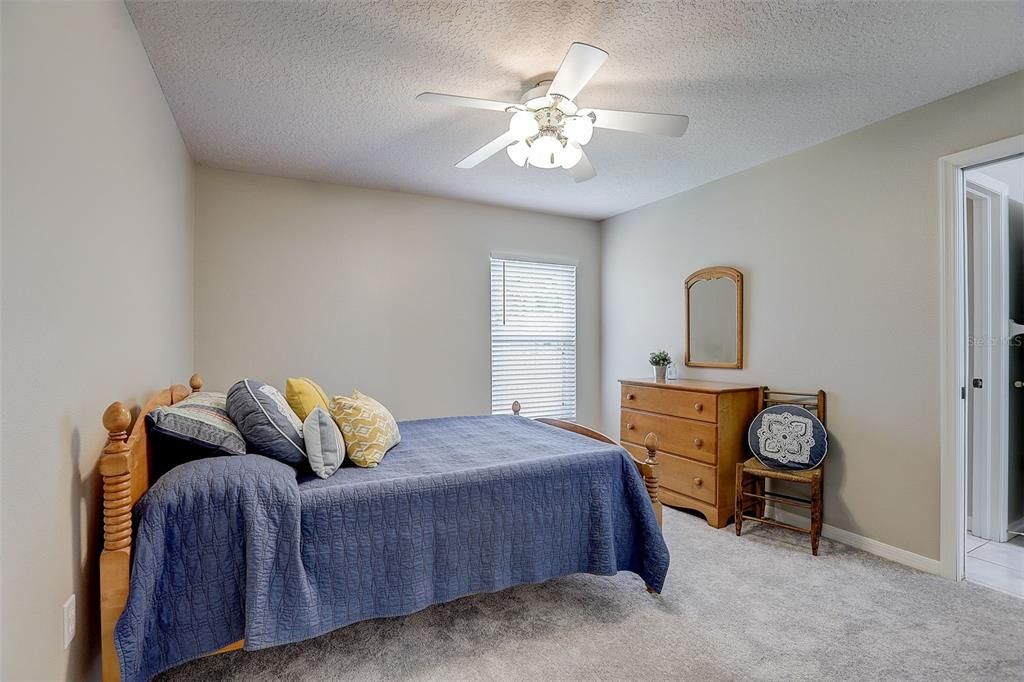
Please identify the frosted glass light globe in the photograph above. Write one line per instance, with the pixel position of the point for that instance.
(523, 125)
(571, 155)
(518, 152)
(545, 152)
(579, 129)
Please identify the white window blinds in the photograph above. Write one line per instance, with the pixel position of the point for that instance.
(533, 338)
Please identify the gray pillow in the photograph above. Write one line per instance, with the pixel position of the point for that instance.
(269, 426)
(325, 446)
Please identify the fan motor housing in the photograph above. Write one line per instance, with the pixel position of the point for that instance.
(536, 99)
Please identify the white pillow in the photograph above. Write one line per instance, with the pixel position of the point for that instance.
(325, 446)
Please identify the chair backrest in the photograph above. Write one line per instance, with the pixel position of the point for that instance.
(812, 402)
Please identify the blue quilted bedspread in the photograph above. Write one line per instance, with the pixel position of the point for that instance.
(235, 547)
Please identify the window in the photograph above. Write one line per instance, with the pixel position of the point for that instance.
(533, 338)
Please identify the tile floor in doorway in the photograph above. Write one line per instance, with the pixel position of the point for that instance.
(999, 565)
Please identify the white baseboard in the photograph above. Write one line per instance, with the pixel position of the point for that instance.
(900, 556)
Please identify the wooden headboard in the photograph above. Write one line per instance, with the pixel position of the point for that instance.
(124, 467)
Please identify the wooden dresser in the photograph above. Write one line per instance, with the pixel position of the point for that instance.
(702, 429)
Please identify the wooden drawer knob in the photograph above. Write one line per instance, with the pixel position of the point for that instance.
(629, 427)
(697, 442)
(630, 396)
(698, 481)
(699, 407)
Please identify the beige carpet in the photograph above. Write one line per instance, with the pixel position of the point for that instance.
(757, 607)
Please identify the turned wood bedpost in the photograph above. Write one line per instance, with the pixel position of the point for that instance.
(115, 560)
(651, 469)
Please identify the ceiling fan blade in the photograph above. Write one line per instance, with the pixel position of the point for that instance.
(583, 170)
(470, 102)
(578, 66)
(673, 125)
(487, 151)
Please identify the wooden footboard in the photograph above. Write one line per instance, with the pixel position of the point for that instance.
(650, 468)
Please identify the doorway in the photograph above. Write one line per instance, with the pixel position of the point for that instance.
(993, 211)
(956, 349)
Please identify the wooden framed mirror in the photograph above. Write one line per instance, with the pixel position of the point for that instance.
(714, 318)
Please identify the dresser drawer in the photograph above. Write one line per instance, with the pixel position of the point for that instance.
(680, 436)
(681, 475)
(702, 406)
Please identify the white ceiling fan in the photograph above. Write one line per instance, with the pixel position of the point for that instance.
(548, 129)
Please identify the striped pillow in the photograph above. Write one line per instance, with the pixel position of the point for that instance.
(199, 419)
(195, 428)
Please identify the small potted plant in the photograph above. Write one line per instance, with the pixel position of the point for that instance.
(660, 360)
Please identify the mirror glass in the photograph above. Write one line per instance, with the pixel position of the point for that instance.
(713, 305)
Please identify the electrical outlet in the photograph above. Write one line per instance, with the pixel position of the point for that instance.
(69, 620)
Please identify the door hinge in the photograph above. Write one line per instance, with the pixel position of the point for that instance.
(963, 393)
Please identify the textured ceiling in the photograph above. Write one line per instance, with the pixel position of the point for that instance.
(325, 90)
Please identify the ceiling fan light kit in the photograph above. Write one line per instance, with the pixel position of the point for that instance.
(548, 129)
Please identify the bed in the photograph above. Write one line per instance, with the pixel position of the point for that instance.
(241, 551)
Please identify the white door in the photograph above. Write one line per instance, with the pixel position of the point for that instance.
(988, 235)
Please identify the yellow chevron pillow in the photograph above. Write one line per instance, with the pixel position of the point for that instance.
(368, 428)
(303, 395)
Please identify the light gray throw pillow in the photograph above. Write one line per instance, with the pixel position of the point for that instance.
(325, 446)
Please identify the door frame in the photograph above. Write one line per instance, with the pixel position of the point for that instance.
(990, 426)
(953, 346)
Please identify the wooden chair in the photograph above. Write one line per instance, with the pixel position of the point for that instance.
(751, 475)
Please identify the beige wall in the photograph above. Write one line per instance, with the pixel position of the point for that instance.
(97, 300)
(380, 291)
(839, 247)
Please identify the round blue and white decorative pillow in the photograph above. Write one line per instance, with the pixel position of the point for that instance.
(788, 437)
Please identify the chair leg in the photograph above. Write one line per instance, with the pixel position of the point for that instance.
(739, 499)
(816, 515)
(759, 504)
